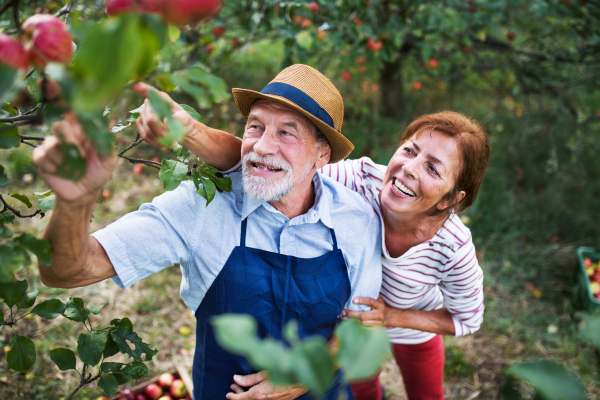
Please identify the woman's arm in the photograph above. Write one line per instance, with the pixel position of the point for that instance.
(358, 175)
(435, 321)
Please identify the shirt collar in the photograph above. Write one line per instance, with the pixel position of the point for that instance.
(319, 210)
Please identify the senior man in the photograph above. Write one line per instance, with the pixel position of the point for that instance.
(281, 246)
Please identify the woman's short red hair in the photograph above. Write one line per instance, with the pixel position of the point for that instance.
(474, 146)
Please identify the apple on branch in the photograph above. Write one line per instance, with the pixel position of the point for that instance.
(12, 53)
(189, 12)
(49, 40)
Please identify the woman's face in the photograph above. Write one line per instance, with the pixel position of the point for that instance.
(421, 172)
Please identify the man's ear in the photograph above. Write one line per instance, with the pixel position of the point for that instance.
(324, 155)
(442, 205)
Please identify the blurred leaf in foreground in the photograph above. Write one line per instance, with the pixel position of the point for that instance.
(550, 380)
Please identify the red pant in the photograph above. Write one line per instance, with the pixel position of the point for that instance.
(422, 368)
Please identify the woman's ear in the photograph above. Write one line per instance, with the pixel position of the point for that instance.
(446, 202)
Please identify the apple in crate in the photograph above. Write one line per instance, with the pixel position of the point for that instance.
(166, 397)
(127, 394)
(178, 389)
(140, 396)
(165, 380)
(153, 391)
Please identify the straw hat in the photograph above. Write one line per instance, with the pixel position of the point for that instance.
(309, 92)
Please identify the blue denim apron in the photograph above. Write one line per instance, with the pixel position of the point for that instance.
(274, 289)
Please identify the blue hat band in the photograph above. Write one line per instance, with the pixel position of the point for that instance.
(301, 99)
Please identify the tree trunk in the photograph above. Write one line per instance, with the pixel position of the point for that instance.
(392, 92)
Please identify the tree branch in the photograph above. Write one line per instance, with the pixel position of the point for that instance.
(17, 213)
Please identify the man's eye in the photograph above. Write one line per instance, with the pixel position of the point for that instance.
(284, 133)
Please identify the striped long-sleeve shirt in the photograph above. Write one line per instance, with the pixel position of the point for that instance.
(439, 272)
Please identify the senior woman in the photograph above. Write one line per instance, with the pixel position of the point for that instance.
(432, 283)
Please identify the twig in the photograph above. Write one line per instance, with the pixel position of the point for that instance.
(84, 381)
(149, 163)
(17, 212)
(25, 137)
(32, 119)
(6, 6)
(16, 18)
(137, 141)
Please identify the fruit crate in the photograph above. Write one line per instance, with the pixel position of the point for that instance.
(583, 294)
(179, 373)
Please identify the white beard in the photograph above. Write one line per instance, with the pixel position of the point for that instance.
(265, 189)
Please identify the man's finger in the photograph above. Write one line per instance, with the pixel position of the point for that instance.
(141, 88)
(250, 380)
(237, 388)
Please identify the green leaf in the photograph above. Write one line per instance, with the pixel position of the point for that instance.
(136, 370)
(73, 165)
(163, 110)
(106, 367)
(28, 300)
(109, 384)
(172, 173)
(21, 355)
(11, 259)
(192, 112)
(43, 194)
(40, 247)
(47, 203)
(63, 358)
(8, 81)
(22, 198)
(13, 292)
(550, 380)
(591, 330)
(209, 190)
(313, 364)
(95, 309)
(121, 378)
(75, 310)
(124, 335)
(94, 127)
(362, 350)
(49, 309)
(90, 346)
(6, 218)
(236, 333)
(9, 137)
(111, 348)
(3, 178)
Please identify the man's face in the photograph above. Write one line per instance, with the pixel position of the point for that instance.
(279, 151)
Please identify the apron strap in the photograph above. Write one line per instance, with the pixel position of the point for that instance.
(334, 239)
(243, 238)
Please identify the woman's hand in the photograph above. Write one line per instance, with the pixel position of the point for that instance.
(378, 316)
(261, 388)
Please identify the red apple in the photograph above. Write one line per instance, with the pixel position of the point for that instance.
(321, 33)
(50, 40)
(234, 42)
(12, 53)
(218, 30)
(102, 398)
(50, 88)
(106, 193)
(209, 48)
(165, 380)
(346, 76)
(417, 85)
(115, 7)
(597, 296)
(186, 12)
(361, 59)
(178, 389)
(313, 7)
(127, 394)
(156, 159)
(433, 63)
(150, 6)
(362, 70)
(590, 271)
(153, 391)
(373, 46)
(511, 36)
(357, 22)
(137, 169)
(587, 262)
(166, 397)
(595, 288)
(140, 396)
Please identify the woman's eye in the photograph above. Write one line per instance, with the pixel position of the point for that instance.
(433, 170)
(408, 150)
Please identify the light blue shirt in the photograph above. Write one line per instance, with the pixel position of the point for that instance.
(178, 228)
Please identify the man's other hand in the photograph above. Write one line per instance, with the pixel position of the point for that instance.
(261, 389)
(48, 157)
(148, 124)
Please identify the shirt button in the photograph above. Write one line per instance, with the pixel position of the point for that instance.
(364, 176)
(314, 214)
(368, 185)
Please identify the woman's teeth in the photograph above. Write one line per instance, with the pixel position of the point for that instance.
(266, 167)
(403, 189)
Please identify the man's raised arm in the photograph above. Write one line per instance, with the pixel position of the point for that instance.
(77, 258)
(217, 148)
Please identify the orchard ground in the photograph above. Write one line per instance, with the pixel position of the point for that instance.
(525, 227)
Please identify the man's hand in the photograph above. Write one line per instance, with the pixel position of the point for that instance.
(148, 125)
(261, 389)
(378, 316)
(48, 156)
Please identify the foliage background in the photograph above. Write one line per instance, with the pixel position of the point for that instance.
(538, 97)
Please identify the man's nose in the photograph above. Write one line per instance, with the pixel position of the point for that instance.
(267, 144)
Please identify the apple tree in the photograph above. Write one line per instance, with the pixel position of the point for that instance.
(76, 59)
